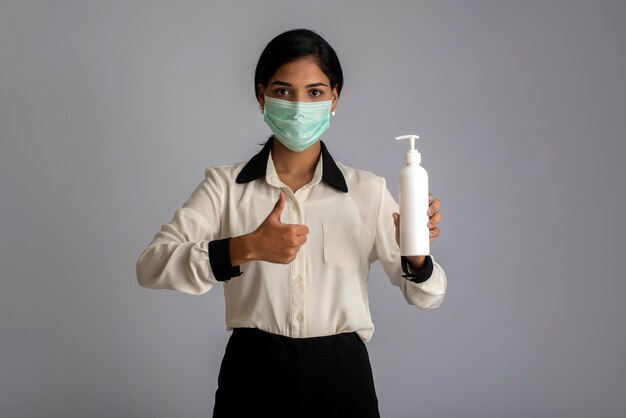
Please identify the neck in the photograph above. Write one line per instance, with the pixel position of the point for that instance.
(299, 164)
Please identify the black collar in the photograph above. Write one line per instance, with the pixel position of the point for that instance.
(257, 167)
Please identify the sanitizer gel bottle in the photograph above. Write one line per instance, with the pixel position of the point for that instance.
(413, 190)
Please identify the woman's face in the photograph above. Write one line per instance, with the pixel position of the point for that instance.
(301, 80)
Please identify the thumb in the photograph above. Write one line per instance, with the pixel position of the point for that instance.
(278, 208)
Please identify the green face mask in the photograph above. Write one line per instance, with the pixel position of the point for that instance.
(297, 125)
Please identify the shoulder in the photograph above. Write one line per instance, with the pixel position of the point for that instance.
(365, 189)
(363, 186)
(358, 177)
(226, 172)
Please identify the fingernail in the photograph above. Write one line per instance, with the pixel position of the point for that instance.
(431, 233)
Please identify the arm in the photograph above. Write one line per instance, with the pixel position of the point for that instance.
(241, 250)
(186, 254)
(427, 288)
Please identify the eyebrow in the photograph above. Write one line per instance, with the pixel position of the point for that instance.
(282, 83)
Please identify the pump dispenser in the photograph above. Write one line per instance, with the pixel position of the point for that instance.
(413, 191)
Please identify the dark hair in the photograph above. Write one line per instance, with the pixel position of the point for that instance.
(294, 44)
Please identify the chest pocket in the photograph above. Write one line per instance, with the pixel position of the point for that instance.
(341, 244)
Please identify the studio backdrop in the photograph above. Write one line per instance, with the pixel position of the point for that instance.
(111, 110)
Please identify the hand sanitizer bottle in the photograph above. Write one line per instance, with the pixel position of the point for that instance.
(413, 191)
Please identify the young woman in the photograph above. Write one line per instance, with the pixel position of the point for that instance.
(290, 235)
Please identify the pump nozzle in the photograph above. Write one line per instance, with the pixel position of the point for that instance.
(412, 156)
(411, 137)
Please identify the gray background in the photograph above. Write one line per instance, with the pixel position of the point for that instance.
(111, 110)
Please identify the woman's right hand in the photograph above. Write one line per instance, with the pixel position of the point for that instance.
(272, 241)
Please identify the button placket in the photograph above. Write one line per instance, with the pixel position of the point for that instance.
(297, 280)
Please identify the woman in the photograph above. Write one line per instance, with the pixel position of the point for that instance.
(291, 235)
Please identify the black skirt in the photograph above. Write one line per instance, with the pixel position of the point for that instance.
(264, 374)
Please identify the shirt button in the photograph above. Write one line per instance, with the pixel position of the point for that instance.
(299, 317)
(298, 280)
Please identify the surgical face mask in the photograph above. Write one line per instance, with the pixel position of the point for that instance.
(297, 125)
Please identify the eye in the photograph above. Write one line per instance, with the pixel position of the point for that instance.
(282, 92)
(316, 92)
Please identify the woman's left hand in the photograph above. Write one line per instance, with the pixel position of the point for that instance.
(434, 216)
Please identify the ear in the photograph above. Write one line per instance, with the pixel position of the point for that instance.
(335, 98)
(260, 94)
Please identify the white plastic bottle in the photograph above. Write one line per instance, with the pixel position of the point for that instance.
(413, 191)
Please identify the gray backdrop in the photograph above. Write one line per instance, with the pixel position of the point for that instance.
(111, 110)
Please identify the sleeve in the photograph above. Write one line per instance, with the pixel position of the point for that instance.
(187, 254)
(417, 276)
(426, 288)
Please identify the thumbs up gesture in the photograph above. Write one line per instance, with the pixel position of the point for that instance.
(275, 241)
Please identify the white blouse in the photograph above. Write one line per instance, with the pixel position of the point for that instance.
(323, 291)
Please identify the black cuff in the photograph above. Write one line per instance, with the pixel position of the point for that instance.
(422, 275)
(219, 256)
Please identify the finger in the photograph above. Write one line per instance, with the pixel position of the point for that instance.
(296, 241)
(299, 230)
(435, 219)
(278, 207)
(433, 207)
(430, 197)
(300, 240)
(291, 254)
(434, 233)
